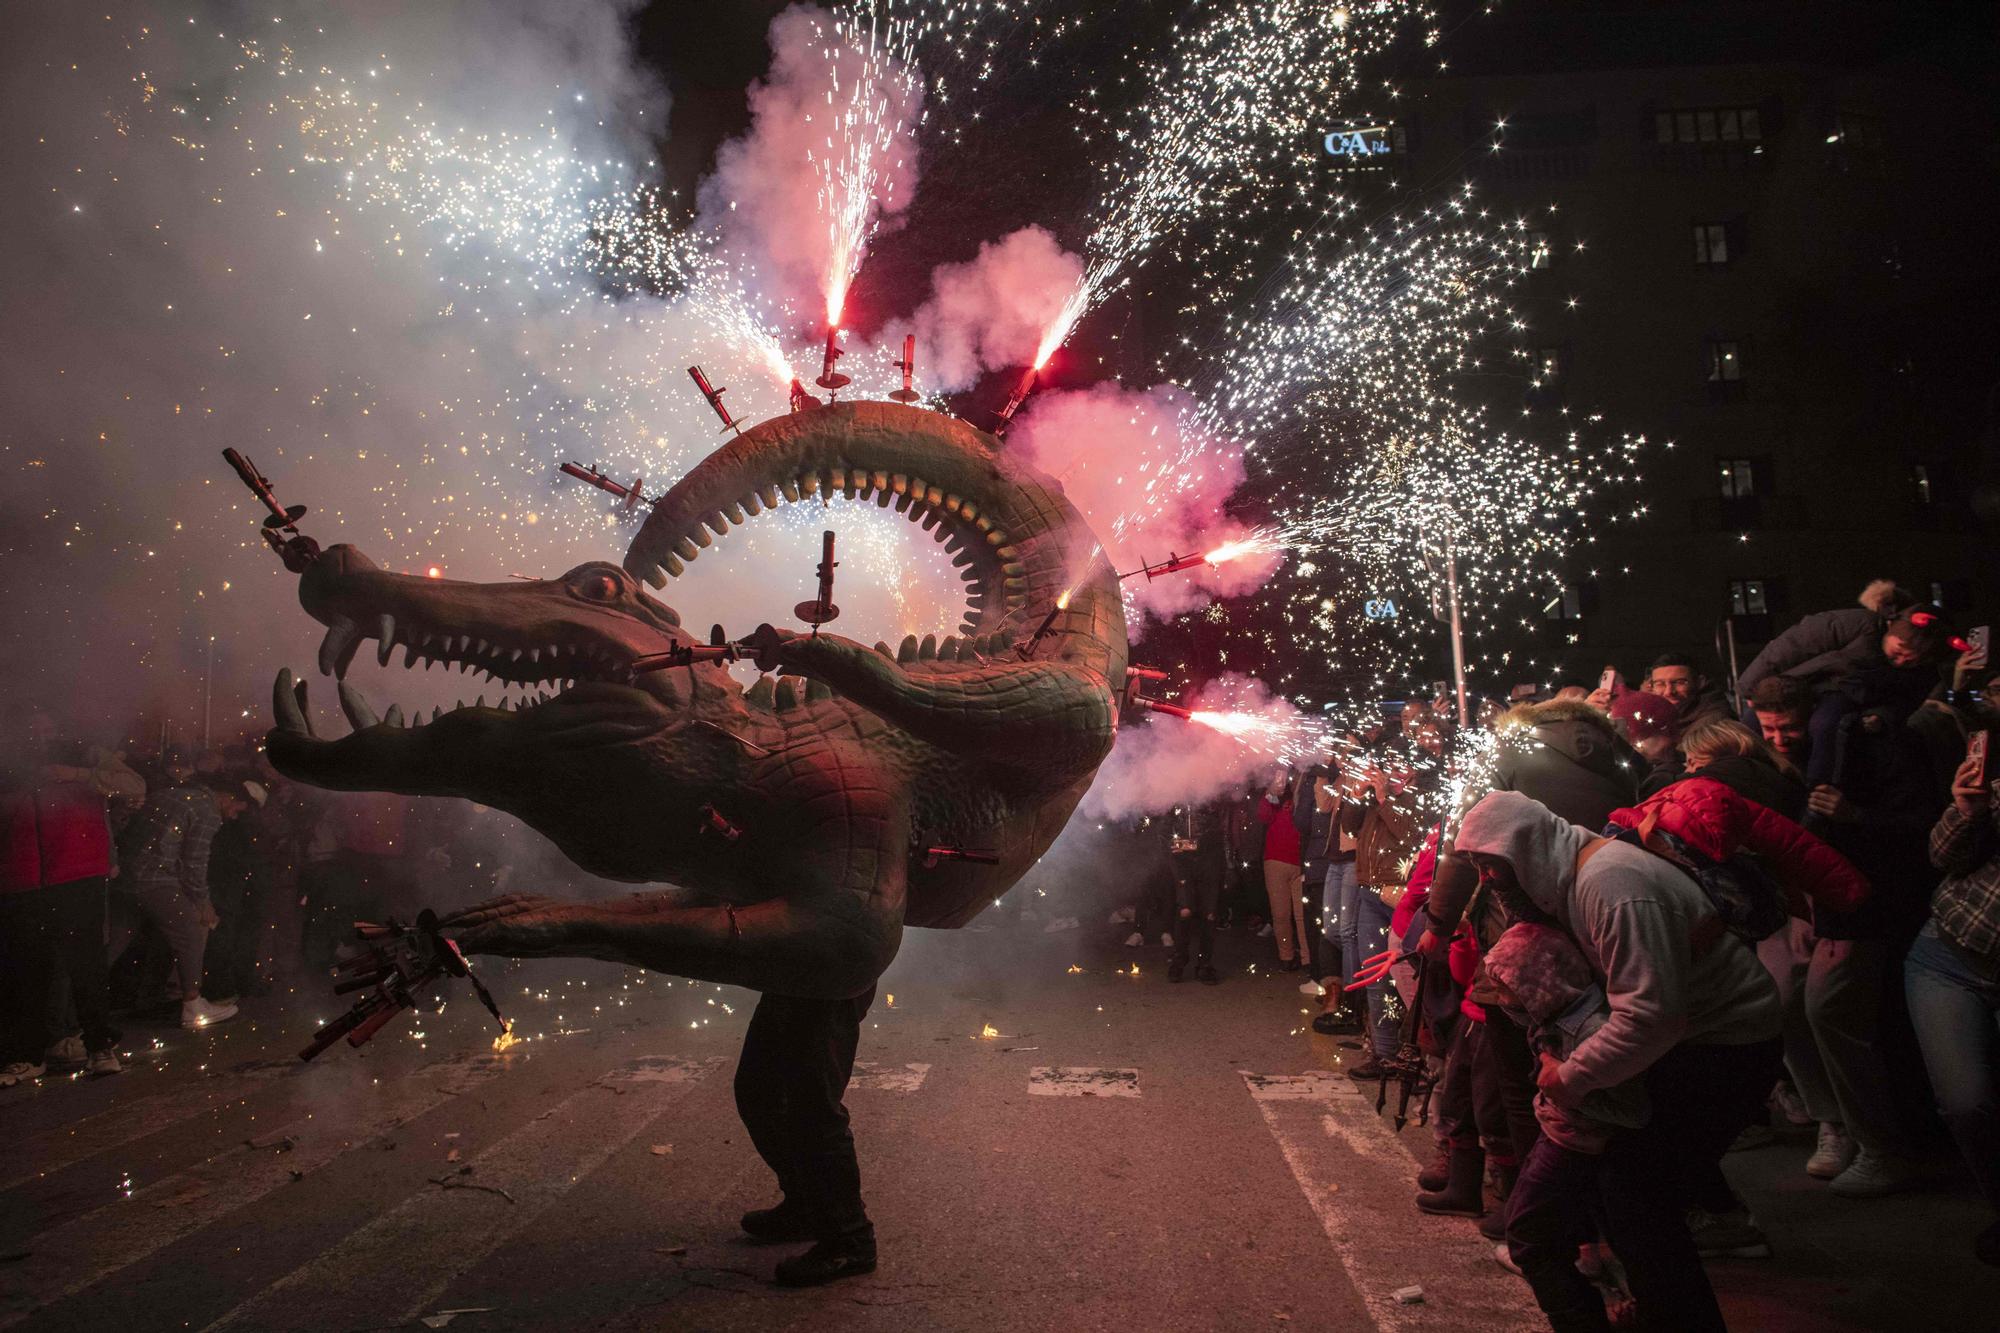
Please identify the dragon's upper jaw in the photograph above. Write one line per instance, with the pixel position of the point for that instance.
(556, 653)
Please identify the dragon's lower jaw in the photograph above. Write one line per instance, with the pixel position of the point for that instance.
(456, 753)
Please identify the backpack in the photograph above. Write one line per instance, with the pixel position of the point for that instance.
(1748, 903)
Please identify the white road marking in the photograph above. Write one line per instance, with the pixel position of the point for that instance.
(888, 1078)
(391, 1270)
(89, 1248)
(1362, 1190)
(128, 1121)
(1059, 1081)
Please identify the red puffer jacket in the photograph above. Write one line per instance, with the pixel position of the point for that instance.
(52, 835)
(1718, 822)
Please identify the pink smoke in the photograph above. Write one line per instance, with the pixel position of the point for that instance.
(1151, 485)
(764, 198)
(990, 312)
(1168, 761)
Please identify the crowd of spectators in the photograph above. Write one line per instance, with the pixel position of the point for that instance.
(1656, 926)
(146, 891)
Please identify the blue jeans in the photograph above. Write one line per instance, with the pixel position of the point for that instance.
(1371, 936)
(1337, 913)
(1956, 1012)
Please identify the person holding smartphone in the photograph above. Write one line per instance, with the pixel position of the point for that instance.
(1952, 978)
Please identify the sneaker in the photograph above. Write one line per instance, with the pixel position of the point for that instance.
(1124, 916)
(1834, 1154)
(1505, 1258)
(1873, 1174)
(1166, 939)
(198, 1013)
(1264, 933)
(67, 1053)
(1754, 1136)
(1134, 940)
(1731, 1235)
(1311, 987)
(1785, 1100)
(1369, 1068)
(103, 1062)
(1206, 975)
(21, 1072)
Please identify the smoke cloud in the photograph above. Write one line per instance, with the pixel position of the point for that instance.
(990, 312)
(1132, 462)
(1168, 761)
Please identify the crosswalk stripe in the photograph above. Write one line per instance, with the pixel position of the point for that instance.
(870, 1076)
(394, 1267)
(54, 1149)
(1065, 1081)
(1357, 1195)
(89, 1248)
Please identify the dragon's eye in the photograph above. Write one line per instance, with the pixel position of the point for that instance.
(597, 587)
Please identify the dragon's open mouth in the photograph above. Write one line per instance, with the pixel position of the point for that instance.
(522, 674)
(783, 465)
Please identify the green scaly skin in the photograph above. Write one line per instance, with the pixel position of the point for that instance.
(834, 778)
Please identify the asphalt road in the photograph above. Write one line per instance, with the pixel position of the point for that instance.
(1124, 1153)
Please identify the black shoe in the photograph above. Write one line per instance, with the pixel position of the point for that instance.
(1493, 1226)
(1368, 1069)
(1333, 1022)
(773, 1226)
(1175, 971)
(1294, 966)
(828, 1261)
(1206, 976)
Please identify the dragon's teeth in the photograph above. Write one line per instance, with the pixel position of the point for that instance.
(516, 656)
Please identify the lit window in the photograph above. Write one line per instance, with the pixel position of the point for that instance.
(1711, 243)
(1699, 125)
(1738, 477)
(1725, 362)
(1747, 598)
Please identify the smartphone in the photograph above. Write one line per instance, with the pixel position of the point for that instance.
(1981, 639)
(1975, 750)
(1609, 680)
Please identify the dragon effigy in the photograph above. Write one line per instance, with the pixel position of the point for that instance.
(798, 820)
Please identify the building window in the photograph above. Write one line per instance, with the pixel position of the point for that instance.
(1747, 597)
(1711, 244)
(1700, 125)
(1738, 477)
(1920, 484)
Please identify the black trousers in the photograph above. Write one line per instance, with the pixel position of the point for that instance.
(790, 1078)
(1702, 1098)
(1197, 895)
(1552, 1210)
(43, 932)
(1508, 1064)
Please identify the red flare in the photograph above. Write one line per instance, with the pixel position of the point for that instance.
(714, 397)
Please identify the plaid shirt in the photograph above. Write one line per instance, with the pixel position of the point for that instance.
(176, 827)
(1967, 905)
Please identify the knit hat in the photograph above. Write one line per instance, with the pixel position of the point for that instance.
(1541, 967)
(1644, 716)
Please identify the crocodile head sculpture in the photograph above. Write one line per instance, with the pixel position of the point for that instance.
(795, 819)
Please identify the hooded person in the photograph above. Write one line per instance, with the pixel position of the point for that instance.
(1699, 1025)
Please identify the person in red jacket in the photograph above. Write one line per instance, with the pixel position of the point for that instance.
(55, 861)
(1283, 877)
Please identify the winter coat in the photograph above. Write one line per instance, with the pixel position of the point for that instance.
(1714, 820)
(1885, 775)
(1820, 649)
(1568, 756)
(1281, 836)
(1387, 844)
(1635, 916)
(55, 833)
(1760, 780)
